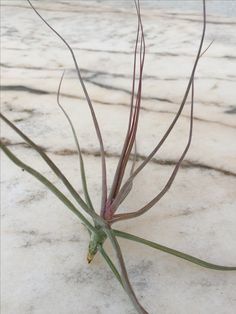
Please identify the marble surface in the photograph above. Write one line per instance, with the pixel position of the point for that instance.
(44, 246)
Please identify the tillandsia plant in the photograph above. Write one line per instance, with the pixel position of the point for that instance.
(100, 225)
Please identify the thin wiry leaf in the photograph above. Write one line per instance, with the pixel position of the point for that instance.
(204, 51)
(117, 173)
(134, 126)
(110, 263)
(145, 208)
(127, 189)
(51, 164)
(134, 157)
(82, 169)
(134, 114)
(131, 178)
(95, 122)
(128, 185)
(123, 272)
(133, 129)
(168, 250)
(48, 184)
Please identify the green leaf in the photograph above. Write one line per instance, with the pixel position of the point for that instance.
(110, 263)
(51, 164)
(82, 169)
(168, 250)
(124, 275)
(49, 185)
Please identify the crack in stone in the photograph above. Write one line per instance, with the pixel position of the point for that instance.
(32, 198)
(120, 89)
(231, 111)
(22, 88)
(42, 92)
(197, 118)
(208, 22)
(96, 74)
(65, 10)
(8, 142)
(165, 162)
(35, 238)
(107, 10)
(186, 164)
(155, 53)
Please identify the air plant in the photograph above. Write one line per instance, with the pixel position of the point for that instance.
(101, 225)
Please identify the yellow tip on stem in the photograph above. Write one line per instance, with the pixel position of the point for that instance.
(90, 258)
